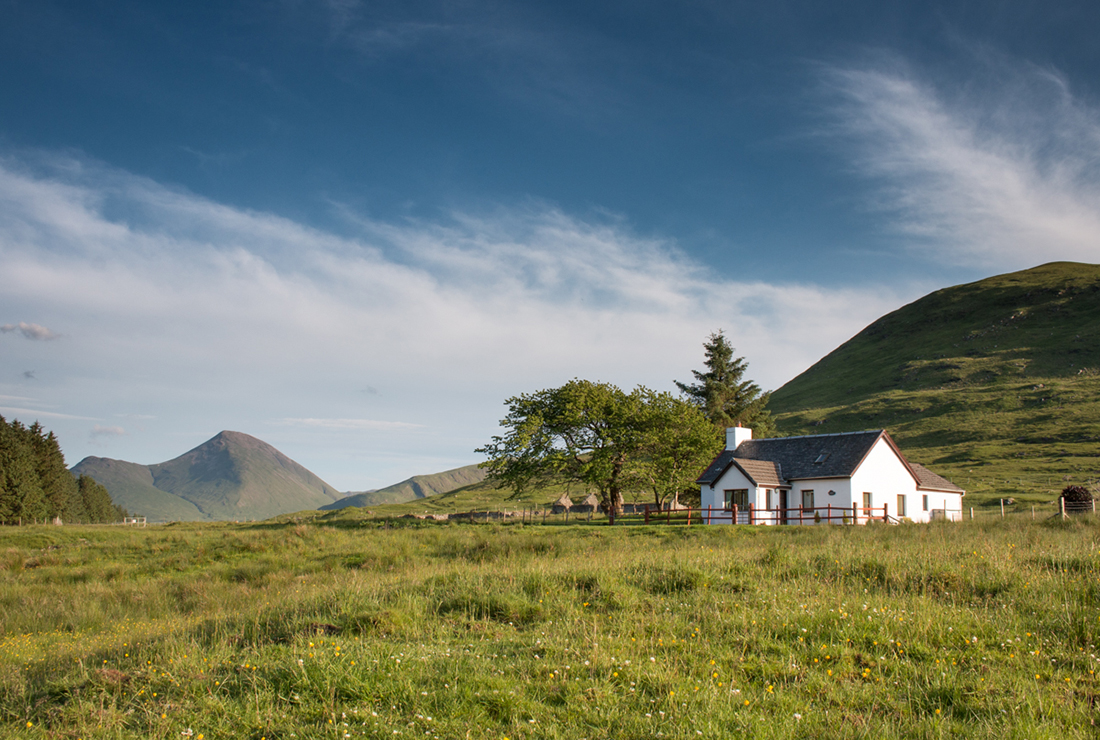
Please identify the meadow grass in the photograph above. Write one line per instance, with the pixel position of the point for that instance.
(345, 628)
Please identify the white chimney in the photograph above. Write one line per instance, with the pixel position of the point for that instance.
(736, 435)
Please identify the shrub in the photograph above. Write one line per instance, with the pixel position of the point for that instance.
(1076, 495)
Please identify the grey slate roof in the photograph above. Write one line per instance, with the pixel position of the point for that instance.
(796, 457)
(929, 481)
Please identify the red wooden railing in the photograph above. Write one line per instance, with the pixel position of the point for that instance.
(751, 515)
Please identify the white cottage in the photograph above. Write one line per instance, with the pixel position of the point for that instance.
(837, 478)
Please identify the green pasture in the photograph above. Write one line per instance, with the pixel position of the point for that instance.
(352, 627)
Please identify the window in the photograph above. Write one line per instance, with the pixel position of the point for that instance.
(767, 498)
(808, 499)
(821, 458)
(901, 505)
(866, 501)
(738, 497)
(924, 501)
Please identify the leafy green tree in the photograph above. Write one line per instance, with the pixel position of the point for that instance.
(723, 393)
(583, 431)
(676, 443)
(609, 440)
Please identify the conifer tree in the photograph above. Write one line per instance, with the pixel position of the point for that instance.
(722, 392)
(58, 484)
(20, 490)
(36, 486)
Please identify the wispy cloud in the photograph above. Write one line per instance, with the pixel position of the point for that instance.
(1002, 169)
(30, 331)
(104, 431)
(25, 413)
(372, 424)
(542, 293)
(517, 50)
(207, 316)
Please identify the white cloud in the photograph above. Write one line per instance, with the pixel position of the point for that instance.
(371, 424)
(103, 431)
(208, 317)
(30, 331)
(27, 415)
(1002, 171)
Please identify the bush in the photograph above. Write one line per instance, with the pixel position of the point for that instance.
(1076, 495)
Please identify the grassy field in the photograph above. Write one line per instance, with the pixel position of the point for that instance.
(345, 627)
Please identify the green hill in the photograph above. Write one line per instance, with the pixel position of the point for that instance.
(232, 476)
(131, 487)
(417, 487)
(995, 384)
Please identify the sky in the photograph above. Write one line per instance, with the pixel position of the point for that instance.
(354, 229)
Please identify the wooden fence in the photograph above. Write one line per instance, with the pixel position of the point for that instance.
(751, 515)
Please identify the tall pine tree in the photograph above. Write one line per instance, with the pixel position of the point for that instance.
(36, 486)
(723, 393)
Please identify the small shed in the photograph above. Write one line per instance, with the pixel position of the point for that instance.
(562, 505)
(590, 504)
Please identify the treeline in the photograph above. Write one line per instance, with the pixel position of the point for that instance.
(36, 485)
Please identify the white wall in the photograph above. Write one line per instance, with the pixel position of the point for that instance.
(711, 496)
(885, 476)
(951, 502)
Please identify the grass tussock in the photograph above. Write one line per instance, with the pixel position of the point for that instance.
(980, 629)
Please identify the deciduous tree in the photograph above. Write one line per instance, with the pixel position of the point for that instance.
(598, 435)
(583, 431)
(676, 443)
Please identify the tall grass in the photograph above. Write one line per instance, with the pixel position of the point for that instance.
(982, 629)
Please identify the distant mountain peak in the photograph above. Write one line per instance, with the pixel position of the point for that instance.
(232, 476)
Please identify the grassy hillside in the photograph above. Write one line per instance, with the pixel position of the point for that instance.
(995, 384)
(417, 487)
(131, 487)
(360, 629)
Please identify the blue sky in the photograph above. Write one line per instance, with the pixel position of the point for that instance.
(353, 229)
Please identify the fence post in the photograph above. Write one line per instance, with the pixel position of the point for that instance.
(1062, 505)
(752, 519)
(689, 517)
(647, 513)
(829, 511)
(855, 513)
(971, 513)
(886, 512)
(709, 512)
(1002, 508)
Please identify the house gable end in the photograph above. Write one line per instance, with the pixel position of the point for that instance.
(884, 435)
